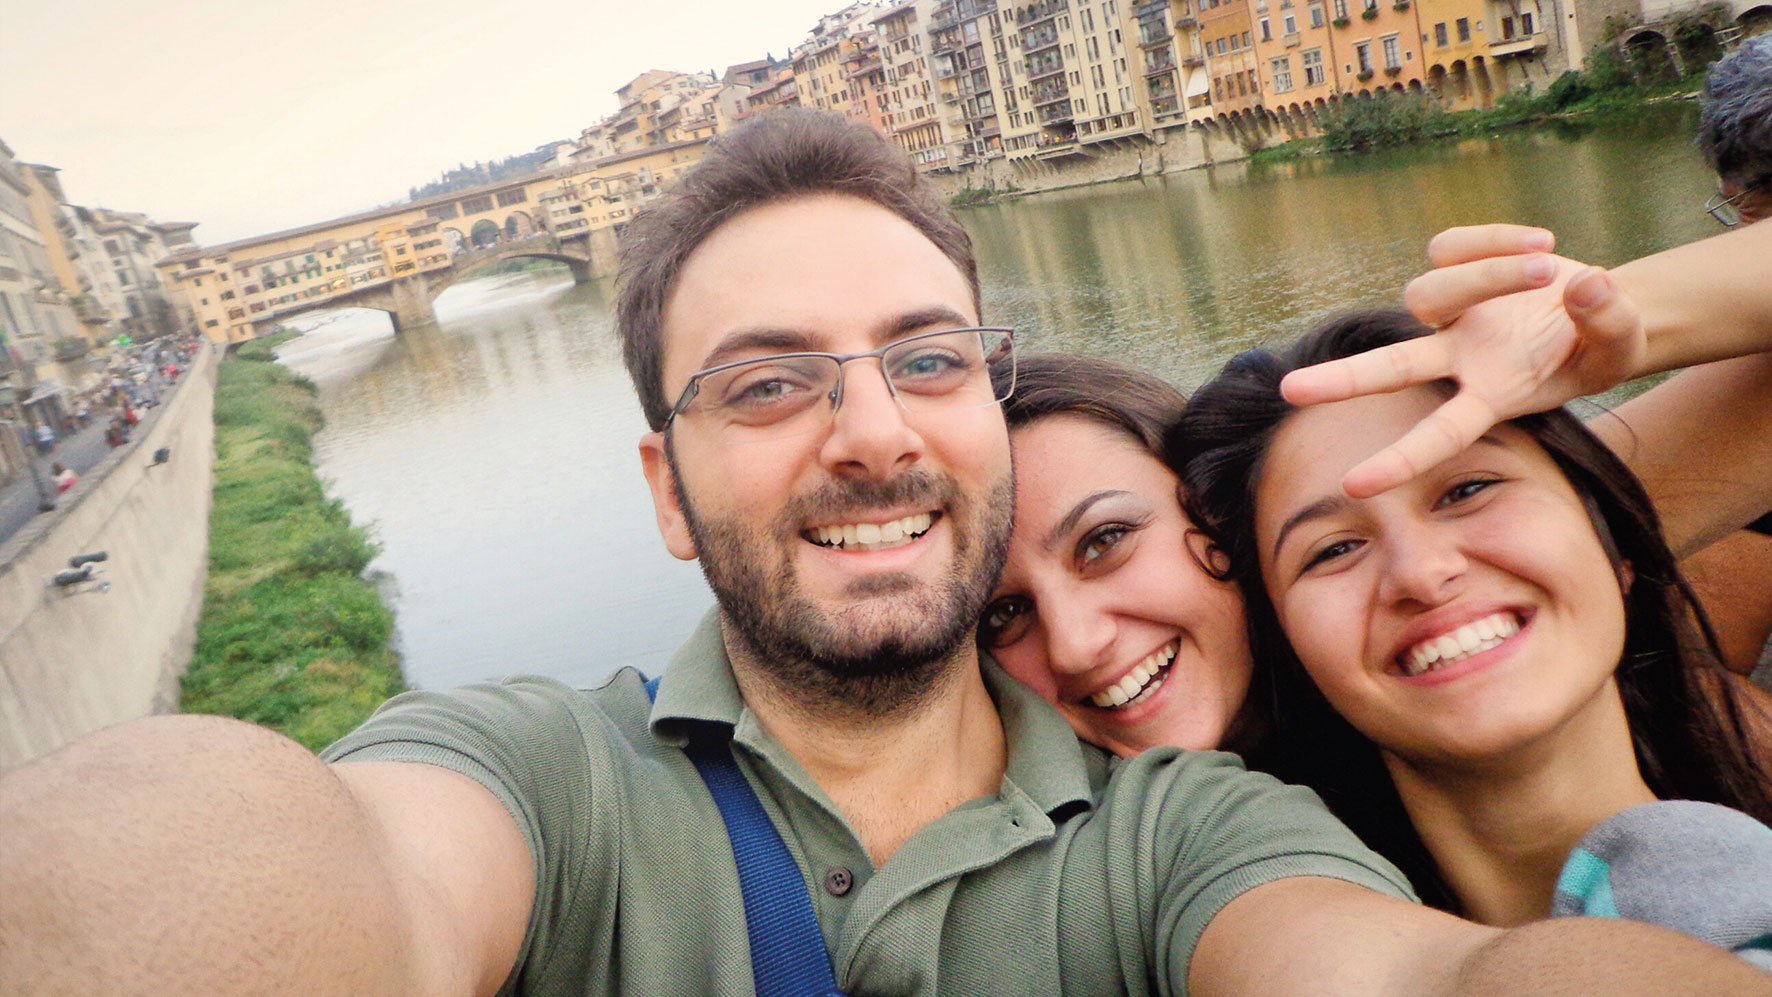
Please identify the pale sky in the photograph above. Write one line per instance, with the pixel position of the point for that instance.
(249, 118)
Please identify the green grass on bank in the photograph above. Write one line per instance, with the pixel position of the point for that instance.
(291, 636)
(1356, 125)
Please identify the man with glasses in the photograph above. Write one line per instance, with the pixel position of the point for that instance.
(1735, 135)
(801, 319)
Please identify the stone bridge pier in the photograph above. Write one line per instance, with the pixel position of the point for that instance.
(407, 301)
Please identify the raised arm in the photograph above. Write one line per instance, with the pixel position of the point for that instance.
(203, 855)
(1322, 936)
(1570, 331)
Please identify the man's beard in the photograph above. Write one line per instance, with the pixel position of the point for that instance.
(883, 654)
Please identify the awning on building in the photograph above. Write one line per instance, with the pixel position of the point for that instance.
(1197, 82)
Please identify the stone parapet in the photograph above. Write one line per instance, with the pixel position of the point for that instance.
(74, 659)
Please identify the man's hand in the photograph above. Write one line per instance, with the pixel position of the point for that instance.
(1519, 330)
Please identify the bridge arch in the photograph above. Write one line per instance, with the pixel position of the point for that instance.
(1650, 54)
(518, 225)
(484, 233)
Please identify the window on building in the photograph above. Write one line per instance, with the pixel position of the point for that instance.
(1526, 27)
(1291, 24)
(1341, 10)
(1246, 41)
(509, 197)
(1313, 67)
(1267, 33)
(1282, 74)
(111, 247)
(1363, 56)
(1440, 34)
(1464, 29)
(476, 204)
(123, 277)
(1393, 53)
(1316, 15)
(1507, 28)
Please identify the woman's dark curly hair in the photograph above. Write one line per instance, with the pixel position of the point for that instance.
(1684, 715)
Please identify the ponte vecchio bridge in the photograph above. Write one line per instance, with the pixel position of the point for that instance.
(397, 259)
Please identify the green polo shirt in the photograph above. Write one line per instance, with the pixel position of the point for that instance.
(1082, 875)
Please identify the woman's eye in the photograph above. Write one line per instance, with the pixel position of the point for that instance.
(1004, 621)
(1100, 543)
(1464, 490)
(1330, 552)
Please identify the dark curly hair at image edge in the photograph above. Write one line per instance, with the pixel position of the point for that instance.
(1735, 124)
(1685, 720)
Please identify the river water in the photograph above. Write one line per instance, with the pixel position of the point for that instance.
(494, 457)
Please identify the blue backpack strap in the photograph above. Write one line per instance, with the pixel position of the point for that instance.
(788, 956)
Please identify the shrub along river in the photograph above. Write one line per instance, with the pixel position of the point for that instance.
(493, 455)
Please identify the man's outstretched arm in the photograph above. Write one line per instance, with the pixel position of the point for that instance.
(1323, 936)
(202, 855)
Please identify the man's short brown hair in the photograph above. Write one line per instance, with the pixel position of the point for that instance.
(779, 156)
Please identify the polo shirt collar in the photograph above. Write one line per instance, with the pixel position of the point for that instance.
(700, 686)
(1046, 760)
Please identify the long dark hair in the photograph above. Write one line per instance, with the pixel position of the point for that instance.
(1137, 404)
(1684, 717)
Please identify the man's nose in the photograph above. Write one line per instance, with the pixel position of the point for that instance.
(871, 434)
(1424, 564)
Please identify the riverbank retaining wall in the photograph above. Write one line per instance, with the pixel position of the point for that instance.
(74, 660)
(1125, 159)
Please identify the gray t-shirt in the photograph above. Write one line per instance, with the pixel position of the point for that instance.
(1082, 875)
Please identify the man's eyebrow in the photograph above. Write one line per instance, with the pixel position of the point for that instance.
(776, 339)
(919, 320)
(1325, 506)
(772, 340)
(1064, 526)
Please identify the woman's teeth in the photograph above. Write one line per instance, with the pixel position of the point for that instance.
(872, 536)
(1140, 683)
(1448, 649)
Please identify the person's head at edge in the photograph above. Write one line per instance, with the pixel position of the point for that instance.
(808, 233)
(1735, 127)
(1684, 721)
(1108, 607)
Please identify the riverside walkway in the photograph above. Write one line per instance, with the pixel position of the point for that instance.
(81, 452)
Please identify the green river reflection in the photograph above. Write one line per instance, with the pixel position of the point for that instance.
(494, 453)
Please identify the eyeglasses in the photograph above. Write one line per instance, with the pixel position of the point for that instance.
(782, 394)
(1727, 210)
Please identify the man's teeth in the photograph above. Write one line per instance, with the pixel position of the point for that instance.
(1448, 649)
(1140, 683)
(873, 536)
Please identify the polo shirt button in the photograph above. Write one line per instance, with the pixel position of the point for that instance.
(839, 881)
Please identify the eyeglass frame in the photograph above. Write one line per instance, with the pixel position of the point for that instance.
(1713, 205)
(693, 388)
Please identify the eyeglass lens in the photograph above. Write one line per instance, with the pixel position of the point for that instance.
(790, 393)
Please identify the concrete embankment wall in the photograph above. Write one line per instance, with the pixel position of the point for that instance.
(72, 662)
(1125, 159)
